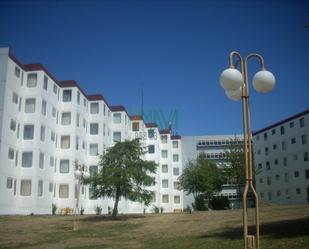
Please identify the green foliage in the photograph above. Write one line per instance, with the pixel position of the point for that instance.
(124, 174)
(155, 209)
(54, 208)
(188, 209)
(109, 210)
(200, 203)
(219, 203)
(201, 177)
(98, 210)
(161, 210)
(82, 210)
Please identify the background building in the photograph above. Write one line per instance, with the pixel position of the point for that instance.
(281, 155)
(214, 146)
(47, 124)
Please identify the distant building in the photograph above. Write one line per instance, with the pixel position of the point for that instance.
(281, 155)
(47, 124)
(214, 146)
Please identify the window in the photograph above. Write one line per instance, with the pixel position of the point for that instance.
(175, 144)
(45, 82)
(259, 152)
(278, 193)
(77, 119)
(17, 72)
(305, 156)
(15, 98)
(55, 89)
(9, 182)
(164, 153)
(298, 191)
(307, 173)
(66, 118)
(165, 198)
(93, 149)
(41, 160)
(78, 97)
(64, 191)
(262, 195)
(175, 157)
(295, 157)
(93, 169)
(276, 162)
(94, 108)
(273, 131)
(51, 161)
(43, 107)
(54, 112)
(32, 80)
(269, 196)
(11, 154)
(77, 143)
(265, 136)
(266, 151)
(13, 125)
(291, 124)
(94, 128)
(293, 140)
(286, 177)
(153, 196)
(52, 136)
(163, 139)
(274, 146)
(296, 174)
(165, 183)
(304, 139)
(117, 136)
(164, 168)
(30, 105)
(302, 122)
(268, 180)
(283, 145)
(135, 126)
(176, 171)
(51, 187)
(42, 135)
(117, 118)
(40, 188)
(261, 180)
(176, 199)
(277, 177)
(267, 166)
(176, 185)
(259, 165)
(151, 149)
(67, 96)
(28, 132)
(65, 142)
(64, 166)
(282, 131)
(25, 187)
(151, 133)
(257, 138)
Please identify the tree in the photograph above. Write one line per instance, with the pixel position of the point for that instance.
(201, 177)
(124, 173)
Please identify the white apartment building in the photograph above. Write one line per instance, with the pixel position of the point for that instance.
(47, 124)
(214, 146)
(281, 155)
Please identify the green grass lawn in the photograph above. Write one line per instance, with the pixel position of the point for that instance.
(282, 227)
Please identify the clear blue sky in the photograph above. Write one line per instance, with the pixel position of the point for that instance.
(177, 49)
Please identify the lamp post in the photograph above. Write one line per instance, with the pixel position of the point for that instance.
(235, 84)
(80, 174)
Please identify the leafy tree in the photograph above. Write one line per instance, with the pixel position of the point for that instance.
(124, 173)
(201, 177)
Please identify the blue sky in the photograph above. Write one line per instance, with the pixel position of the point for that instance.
(177, 50)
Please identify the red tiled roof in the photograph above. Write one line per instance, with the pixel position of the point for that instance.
(136, 117)
(151, 125)
(175, 137)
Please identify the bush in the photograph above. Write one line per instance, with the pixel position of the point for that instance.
(220, 203)
(98, 210)
(161, 210)
(54, 208)
(82, 211)
(188, 209)
(155, 209)
(200, 203)
(109, 210)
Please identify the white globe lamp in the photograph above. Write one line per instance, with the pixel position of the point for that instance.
(231, 79)
(264, 81)
(234, 94)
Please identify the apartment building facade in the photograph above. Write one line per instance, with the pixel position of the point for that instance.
(214, 146)
(46, 125)
(281, 158)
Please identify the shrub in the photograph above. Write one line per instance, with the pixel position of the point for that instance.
(67, 210)
(188, 209)
(98, 210)
(161, 210)
(200, 203)
(155, 209)
(54, 208)
(220, 202)
(109, 210)
(82, 210)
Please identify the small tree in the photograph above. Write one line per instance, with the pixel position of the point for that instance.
(124, 173)
(201, 177)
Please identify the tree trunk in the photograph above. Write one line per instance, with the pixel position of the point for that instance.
(115, 210)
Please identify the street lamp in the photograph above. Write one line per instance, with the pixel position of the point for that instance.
(235, 84)
(80, 174)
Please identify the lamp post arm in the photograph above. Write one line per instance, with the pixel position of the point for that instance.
(259, 57)
(233, 54)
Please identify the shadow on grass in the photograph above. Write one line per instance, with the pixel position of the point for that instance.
(275, 230)
(125, 217)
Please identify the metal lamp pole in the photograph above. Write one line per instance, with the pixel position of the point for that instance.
(80, 174)
(236, 85)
